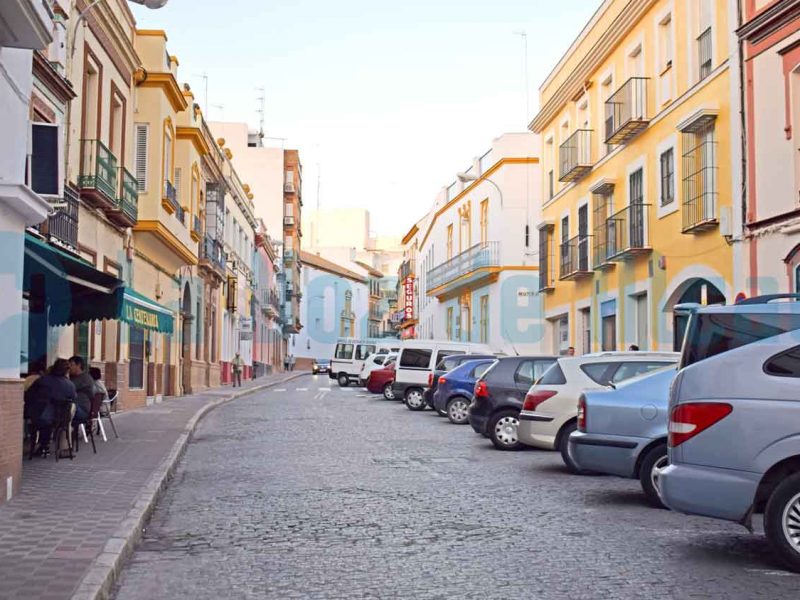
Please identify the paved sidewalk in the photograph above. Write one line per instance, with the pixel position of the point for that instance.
(74, 522)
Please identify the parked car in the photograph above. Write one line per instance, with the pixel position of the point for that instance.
(498, 394)
(373, 362)
(623, 431)
(454, 388)
(380, 381)
(350, 355)
(550, 411)
(734, 428)
(415, 363)
(320, 365)
(448, 364)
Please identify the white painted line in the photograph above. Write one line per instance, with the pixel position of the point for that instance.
(279, 390)
(300, 389)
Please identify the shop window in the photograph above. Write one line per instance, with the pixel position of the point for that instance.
(136, 358)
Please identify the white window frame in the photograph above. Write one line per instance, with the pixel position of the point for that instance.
(663, 146)
(668, 13)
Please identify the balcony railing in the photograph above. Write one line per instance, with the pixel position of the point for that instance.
(704, 54)
(197, 227)
(626, 111)
(626, 232)
(477, 257)
(574, 255)
(62, 225)
(126, 211)
(98, 177)
(211, 252)
(575, 156)
(169, 199)
(700, 183)
(600, 246)
(408, 267)
(180, 214)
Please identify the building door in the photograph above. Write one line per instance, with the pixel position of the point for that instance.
(168, 365)
(608, 325)
(642, 324)
(186, 340)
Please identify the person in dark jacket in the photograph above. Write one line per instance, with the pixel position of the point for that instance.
(84, 388)
(42, 398)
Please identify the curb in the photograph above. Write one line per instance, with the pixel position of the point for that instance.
(97, 583)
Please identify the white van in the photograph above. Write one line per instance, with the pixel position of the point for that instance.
(416, 361)
(350, 355)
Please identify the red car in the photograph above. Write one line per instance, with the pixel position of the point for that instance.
(380, 381)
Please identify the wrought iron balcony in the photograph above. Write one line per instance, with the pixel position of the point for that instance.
(127, 212)
(626, 233)
(180, 214)
(699, 183)
(169, 198)
(98, 174)
(575, 156)
(61, 227)
(212, 256)
(546, 283)
(407, 268)
(197, 228)
(574, 255)
(626, 111)
(600, 260)
(471, 265)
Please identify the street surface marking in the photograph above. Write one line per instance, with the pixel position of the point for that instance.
(279, 390)
(300, 389)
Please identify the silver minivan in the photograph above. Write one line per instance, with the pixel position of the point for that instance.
(734, 428)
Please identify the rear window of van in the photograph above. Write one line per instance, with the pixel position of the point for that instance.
(713, 333)
(415, 358)
(344, 351)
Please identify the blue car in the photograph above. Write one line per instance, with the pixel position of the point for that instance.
(454, 390)
(623, 431)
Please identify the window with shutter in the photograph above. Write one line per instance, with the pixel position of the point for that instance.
(178, 184)
(141, 135)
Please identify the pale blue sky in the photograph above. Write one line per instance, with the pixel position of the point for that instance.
(390, 98)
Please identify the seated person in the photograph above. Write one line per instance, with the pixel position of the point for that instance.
(43, 397)
(84, 389)
(99, 386)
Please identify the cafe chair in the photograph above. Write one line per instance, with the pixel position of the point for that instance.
(105, 413)
(94, 416)
(61, 428)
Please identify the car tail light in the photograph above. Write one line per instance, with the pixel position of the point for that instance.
(430, 379)
(442, 380)
(582, 413)
(481, 390)
(687, 420)
(534, 399)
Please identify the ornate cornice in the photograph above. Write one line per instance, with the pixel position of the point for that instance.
(167, 82)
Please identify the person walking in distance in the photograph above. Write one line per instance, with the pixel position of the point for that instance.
(285, 362)
(237, 364)
(291, 362)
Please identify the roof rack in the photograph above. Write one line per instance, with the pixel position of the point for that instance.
(767, 298)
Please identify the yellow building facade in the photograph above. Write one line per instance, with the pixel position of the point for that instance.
(638, 202)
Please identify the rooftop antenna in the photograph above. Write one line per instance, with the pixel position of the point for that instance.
(221, 108)
(261, 110)
(204, 77)
(524, 35)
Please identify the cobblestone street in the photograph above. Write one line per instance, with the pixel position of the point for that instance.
(312, 491)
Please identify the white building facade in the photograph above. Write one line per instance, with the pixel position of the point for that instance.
(335, 305)
(475, 256)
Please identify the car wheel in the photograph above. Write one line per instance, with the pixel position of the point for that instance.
(343, 379)
(388, 392)
(503, 430)
(649, 472)
(782, 521)
(441, 413)
(457, 411)
(414, 399)
(563, 447)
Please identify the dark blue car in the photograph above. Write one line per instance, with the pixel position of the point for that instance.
(454, 390)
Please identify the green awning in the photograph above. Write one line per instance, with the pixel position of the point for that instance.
(73, 291)
(140, 311)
